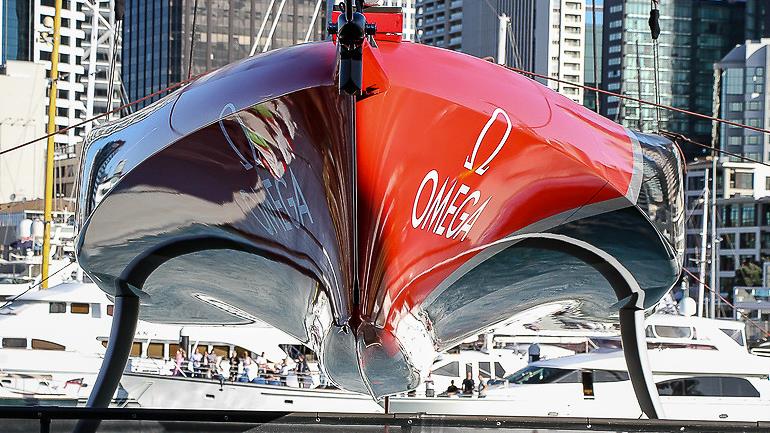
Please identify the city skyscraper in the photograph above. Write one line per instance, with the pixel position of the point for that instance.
(15, 30)
(471, 27)
(559, 44)
(694, 35)
(593, 65)
(757, 19)
(544, 36)
(158, 36)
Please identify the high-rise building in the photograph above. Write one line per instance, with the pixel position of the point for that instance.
(757, 19)
(158, 36)
(15, 30)
(544, 36)
(694, 35)
(743, 187)
(744, 99)
(471, 26)
(559, 44)
(593, 52)
(23, 119)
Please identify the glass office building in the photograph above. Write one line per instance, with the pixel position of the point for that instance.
(695, 34)
(757, 19)
(16, 30)
(157, 36)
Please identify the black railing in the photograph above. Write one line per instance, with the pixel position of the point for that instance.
(46, 415)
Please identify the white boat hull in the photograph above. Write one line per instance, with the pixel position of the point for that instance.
(169, 392)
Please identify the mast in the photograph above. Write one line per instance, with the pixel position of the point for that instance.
(703, 243)
(714, 281)
(49, 161)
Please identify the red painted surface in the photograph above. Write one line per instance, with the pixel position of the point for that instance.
(427, 115)
(389, 25)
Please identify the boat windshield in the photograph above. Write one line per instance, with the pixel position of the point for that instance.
(535, 374)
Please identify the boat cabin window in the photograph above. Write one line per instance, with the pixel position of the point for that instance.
(78, 308)
(57, 307)
(666, 331)
(110, 310)
(499, 370)
(223, 351)
(15, 343)
(452, 370)
(136, 349)
(172, 348)
(155, 350)
(535, 374)
(715, 386)
(610, 376)
(45, 345)
(105, 343)
(484, 370)
(735, 334)
(587, 378)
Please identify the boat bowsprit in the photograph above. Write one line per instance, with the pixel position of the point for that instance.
(380, 201)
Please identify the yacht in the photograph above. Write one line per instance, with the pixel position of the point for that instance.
(20, 267)
(701, 368)
(54, 341)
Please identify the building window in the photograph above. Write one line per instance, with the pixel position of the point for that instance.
(734, 81)
(764, 240)
(742, 180)
(614, 61)
(695, 183)
(728, 241)
(734, 140)
(615, 24)
(748, 217)
(726, 263)
(748, 241)
(615, 36)
(735, 106)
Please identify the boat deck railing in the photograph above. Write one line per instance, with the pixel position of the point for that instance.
(188, 369)
(214, 420)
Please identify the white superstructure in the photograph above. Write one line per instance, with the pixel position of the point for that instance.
(701, 366)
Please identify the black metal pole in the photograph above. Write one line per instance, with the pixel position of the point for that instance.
(126, 315)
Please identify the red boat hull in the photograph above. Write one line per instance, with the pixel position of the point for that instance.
(448, 197)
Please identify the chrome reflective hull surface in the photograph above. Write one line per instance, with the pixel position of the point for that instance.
(233, 200)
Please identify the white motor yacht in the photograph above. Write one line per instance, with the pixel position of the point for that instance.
(701, 366)
(53, 343)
